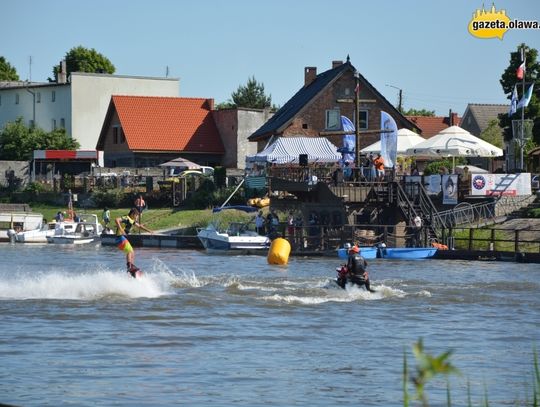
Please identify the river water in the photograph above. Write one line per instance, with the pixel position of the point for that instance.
(203, 330)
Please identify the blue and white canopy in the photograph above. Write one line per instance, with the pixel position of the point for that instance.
(288, 149)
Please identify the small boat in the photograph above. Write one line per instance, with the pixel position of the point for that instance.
(12, 223)
(407, 253)
(77, 233)
(235, 239)
(37, 235)
(367, 252)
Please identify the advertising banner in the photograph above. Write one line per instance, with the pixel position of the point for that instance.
(450, 189)
(501, 184)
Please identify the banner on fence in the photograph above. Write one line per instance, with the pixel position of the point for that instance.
(501, 184)
(450, 189)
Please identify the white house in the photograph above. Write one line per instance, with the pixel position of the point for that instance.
(79, 105)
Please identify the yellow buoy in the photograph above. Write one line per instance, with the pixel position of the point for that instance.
(279, 251)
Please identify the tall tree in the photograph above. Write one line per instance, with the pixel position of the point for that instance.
(7, 72)
(17, 142)
(419, 112)
(532, 76)
(251, 95)
(81, 59)
(493, 133)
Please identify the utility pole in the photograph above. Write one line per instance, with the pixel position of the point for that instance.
(400, 97)
(356, 119)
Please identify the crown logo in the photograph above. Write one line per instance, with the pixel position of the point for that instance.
(489, 24)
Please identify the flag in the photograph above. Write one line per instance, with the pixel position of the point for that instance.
(349, 140)
(389, 140)
(513, 102)
(521, 70)
(524, 102)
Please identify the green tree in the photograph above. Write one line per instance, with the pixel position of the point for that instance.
(81, 59)
(493, 133)
(7, 72)
(251, 95)
(419, 112)
(509, 79)
(17, 142)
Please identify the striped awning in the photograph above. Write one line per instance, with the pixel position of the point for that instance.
(288, 149)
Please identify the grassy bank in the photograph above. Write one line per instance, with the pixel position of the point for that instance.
(155, 219)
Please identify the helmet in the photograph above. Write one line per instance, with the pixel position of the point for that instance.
(347, 246)
(355, 249)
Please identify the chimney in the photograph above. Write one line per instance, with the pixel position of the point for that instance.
(310, 73)
(452, 118)
(62, 74)
(335, 64)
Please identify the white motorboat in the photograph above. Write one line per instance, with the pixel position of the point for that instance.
(237, 238)
(37, 235)
(13, 222)
(86, 231)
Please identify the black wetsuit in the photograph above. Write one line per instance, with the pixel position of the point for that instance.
(357, 266)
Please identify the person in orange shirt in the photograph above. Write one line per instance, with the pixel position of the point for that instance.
(379, 166)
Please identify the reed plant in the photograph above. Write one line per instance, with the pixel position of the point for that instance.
(428, 367)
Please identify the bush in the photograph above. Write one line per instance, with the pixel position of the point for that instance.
(111, 198)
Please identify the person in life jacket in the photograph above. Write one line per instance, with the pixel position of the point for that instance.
(357, 269)
(123, 227)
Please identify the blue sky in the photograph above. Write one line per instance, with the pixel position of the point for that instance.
(422, 47)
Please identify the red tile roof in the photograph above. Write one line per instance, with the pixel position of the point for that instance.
(168, 124)
(432, 125)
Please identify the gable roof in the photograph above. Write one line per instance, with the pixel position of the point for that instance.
(281, 119)
(156, 123)
(431, 125)
(484, 113)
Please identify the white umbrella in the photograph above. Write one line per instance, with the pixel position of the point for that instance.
(454, 142)
(406, 139)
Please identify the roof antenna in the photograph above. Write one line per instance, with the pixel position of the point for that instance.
(348, 58)
(167, 71)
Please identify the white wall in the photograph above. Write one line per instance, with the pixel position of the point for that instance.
(91, 94)
(82, 104)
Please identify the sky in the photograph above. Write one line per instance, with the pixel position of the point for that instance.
(421, 47)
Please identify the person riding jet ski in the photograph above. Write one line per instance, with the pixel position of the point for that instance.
(355, 271)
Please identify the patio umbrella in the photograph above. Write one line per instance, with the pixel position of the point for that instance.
(454, 142)
(406, 139)
(181, 163)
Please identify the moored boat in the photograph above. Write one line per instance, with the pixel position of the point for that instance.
(407, 253)
(86, 231)
(13, 222)
(235, 239)
(37, 235)
(367, 252)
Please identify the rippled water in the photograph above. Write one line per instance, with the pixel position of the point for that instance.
(231, 330)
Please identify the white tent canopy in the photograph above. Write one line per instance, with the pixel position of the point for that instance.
(406, 139)
(454, 142)
(288, 149)
(181, 163)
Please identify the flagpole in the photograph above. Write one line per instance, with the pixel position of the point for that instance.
(357, 120)
(522, 137)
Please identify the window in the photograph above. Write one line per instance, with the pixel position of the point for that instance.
(38, 97)
(53, 96)
(115, 134)
(16, 98)
(122, 136)
(53, 124)
(363, 119)
(63, 123)
(304, 126)
(333, 121)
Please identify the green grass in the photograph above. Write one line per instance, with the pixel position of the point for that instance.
(155, 219)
